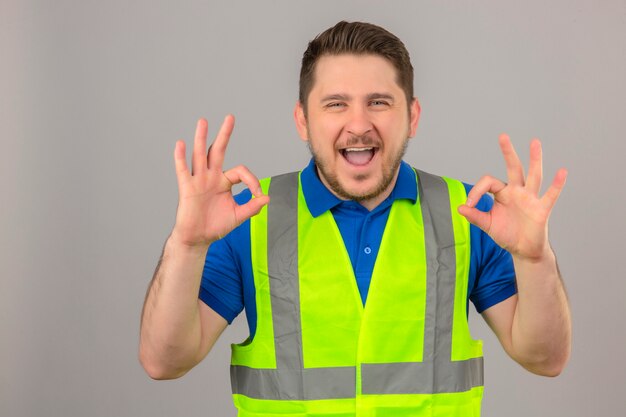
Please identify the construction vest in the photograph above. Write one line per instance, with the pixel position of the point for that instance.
(318, 351)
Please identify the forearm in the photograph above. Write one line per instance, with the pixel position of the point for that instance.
(171, 332)
(541, 328)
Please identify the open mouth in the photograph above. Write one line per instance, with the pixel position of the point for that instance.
(359, 156)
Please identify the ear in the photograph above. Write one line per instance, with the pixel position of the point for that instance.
(300, 119)
(415, 116)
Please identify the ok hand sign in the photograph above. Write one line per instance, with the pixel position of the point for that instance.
(206, 208)
(518, 220)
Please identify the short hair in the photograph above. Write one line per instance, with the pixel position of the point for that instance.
(357, 38)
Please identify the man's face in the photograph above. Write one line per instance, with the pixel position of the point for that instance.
(357, 125)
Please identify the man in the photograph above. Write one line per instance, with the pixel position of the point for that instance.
(355, 273)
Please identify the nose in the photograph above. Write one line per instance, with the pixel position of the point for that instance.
(359, 122)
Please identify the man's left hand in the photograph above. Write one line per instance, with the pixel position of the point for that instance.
(518, 220)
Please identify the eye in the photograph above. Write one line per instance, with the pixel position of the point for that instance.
(379, 103)
(335, 106)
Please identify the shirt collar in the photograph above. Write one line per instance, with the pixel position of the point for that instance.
(319, 198)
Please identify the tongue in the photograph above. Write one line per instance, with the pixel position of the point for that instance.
(359, 157)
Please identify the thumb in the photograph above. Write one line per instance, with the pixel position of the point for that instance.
(478, 218)
(252, 207)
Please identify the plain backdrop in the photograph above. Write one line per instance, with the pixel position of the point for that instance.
(94, 94)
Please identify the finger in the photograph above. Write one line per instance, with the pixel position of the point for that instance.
(552, 194)
(486, 184)
(180, 162)
(243, 174)
(514, 168)
(198, 162)
(252, 207)
(217, 151)
(535, 167)
(479, 218)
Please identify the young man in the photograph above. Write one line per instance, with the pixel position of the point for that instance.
(355, 273)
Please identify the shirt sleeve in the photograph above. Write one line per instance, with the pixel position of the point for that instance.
(221, 287)
(491, 267)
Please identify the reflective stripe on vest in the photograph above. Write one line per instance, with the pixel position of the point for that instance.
(285, 376)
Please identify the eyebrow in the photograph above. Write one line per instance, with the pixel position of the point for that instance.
(345, 97)
(331, 97)
(374, 96)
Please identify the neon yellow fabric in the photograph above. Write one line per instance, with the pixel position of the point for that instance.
(259, 353)
(463, 346)
(437, 405)
(338, 331)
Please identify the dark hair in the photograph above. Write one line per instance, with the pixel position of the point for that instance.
(361, 39)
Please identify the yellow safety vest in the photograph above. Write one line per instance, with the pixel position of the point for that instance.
(318, 351)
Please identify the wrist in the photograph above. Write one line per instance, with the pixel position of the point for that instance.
(544, 256)
(180, 245)
(542, 268)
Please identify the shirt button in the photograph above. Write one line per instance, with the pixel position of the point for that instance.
(367, 250)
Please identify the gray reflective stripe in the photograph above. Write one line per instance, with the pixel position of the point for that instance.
(290, 381)
(441, 263)
(282, 266)
(295, 384)
(421, 377)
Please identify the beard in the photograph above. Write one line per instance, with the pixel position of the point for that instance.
(390, 167)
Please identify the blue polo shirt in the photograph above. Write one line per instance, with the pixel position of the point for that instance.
(228, 284)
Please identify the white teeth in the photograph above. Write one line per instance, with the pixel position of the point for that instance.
(357, 149)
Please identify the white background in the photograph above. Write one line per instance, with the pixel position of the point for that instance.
(93, 95)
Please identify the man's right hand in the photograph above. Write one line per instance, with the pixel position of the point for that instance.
(177, 329)
(206, 208)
